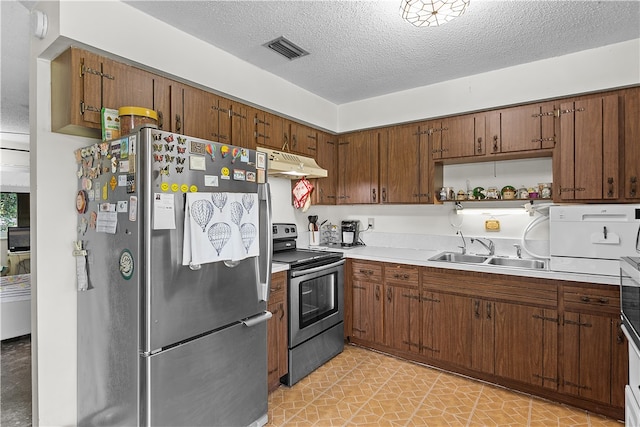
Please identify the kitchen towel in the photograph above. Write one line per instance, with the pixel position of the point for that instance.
(220, 227)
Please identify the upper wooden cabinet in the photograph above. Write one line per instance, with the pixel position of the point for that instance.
(303, 139)
(198, 118)
(405, 166)
(589, 150)
(168, 103)
(268, 130)
(455, 137)
(524, 128)
(123, 85)
(358, 166)
(325, 191)
(631, 162)
(76, 93)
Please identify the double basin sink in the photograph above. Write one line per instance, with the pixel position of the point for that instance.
(491, 260)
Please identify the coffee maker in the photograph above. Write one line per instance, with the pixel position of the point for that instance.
(350, 233)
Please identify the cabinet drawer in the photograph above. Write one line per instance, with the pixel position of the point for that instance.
(278, 284)
(367, 271)
(401, 274)
(604, 298)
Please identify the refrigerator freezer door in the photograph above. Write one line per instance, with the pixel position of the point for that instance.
(217, 380)
(185, 303)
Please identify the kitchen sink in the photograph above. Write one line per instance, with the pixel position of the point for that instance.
(495, 261)
(517, 262)
(457, 257)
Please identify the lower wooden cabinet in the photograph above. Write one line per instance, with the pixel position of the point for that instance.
(595, 372)
(367, 300)
(401, 308)
(452, 343)
(277, 362)
(557, 339)
(526, 344)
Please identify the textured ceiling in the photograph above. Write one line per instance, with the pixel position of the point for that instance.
(361, 49)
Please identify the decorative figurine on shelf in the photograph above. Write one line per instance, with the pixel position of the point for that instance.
(492, 193)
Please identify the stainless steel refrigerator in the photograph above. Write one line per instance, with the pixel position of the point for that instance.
(164, 340)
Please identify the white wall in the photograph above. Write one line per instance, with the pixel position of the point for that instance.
(602, 68)
(118, 29)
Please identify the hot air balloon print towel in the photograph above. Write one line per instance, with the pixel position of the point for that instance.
(220, 226)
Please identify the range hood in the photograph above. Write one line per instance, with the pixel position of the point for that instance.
(291, 166)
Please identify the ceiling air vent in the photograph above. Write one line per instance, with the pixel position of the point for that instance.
(285, 48)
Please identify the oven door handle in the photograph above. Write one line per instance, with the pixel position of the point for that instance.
(299, 273)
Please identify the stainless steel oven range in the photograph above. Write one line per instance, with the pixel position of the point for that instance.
(315, 302)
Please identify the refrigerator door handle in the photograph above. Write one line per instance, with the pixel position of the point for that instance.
(266, 245)
(257, 319)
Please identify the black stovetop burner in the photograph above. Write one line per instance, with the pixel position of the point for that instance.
(285, 250)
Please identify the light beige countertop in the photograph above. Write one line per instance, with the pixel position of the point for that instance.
(277, 267)
(421, 257)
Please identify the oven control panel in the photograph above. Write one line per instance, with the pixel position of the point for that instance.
(284, 231)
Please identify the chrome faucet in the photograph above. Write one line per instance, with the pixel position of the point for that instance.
(463, 248)
(491, 247)
(518, 250)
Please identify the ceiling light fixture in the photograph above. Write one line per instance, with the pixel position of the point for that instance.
(431, 13)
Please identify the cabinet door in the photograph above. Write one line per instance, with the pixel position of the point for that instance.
(587, 356)
(267, 129)
(162, 102)
(240, 127)
(483, 341)
(367, 311)
(589, 149)
(492, 133)
(619, 363)
(402, 321)
(177, 106)
(276, 341)
(304, 140)
(91, 71)
(458, 137)
(631, 144)
(358, 165)
(400, 161)
(123, 85)
(427, 301)
(525, 341)
(277, 346)
(453, 344)
(197, 120)
(520, 129)
(221, 119)
(76, 94)
(325, 191)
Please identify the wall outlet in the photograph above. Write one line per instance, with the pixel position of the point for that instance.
(370, 223)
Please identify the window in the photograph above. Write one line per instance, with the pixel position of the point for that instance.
(14, 211)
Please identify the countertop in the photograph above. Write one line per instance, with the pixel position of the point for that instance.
(421, 257)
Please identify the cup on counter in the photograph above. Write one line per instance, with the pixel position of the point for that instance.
(314, 238)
